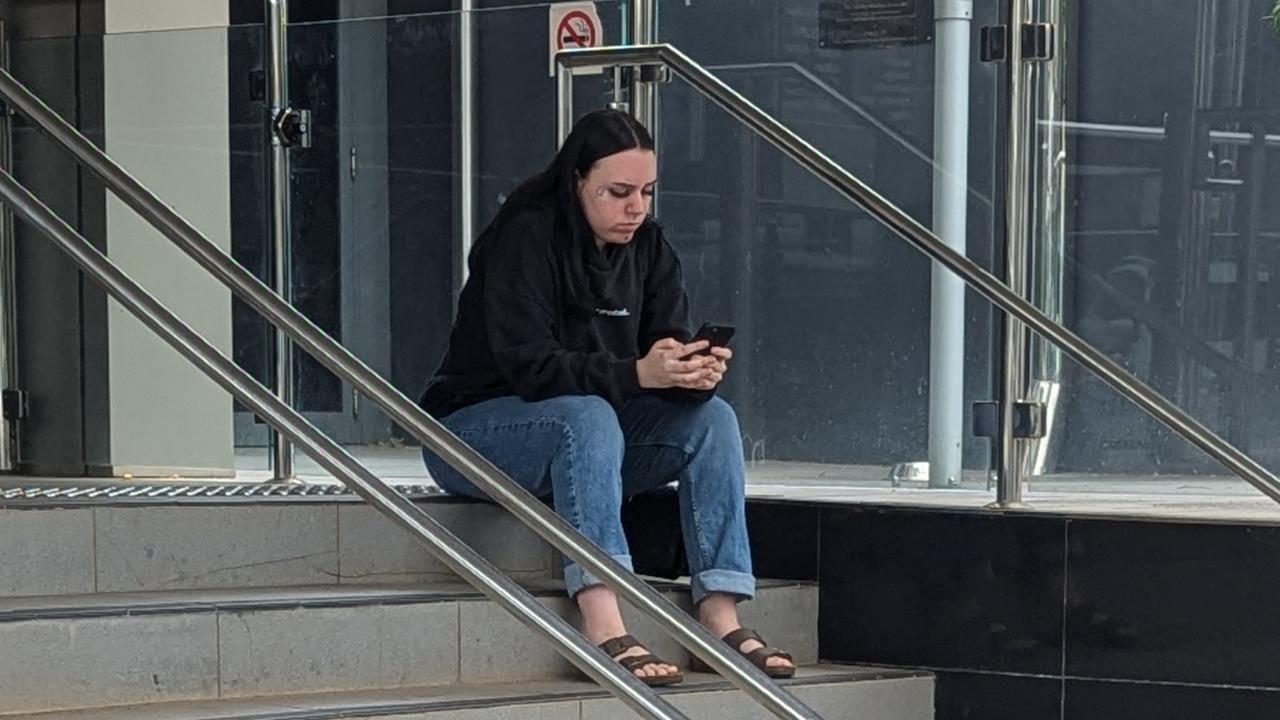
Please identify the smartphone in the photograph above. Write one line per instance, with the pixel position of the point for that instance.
(717, 335)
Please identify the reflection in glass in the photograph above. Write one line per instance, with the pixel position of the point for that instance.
(1172, 127)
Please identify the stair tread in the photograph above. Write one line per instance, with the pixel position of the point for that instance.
(319, 706)
(42, 607)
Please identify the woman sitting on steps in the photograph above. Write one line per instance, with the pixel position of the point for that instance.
(570, 366)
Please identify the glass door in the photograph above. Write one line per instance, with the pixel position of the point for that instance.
(1155, 226)
(337, 215)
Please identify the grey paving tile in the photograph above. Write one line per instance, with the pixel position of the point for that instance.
(59, 664)
(539, 711)
(165, 548)
(328, 649)
(46, 552)
(786, 615)
(498, 648)
(898, 699)
(374, 549)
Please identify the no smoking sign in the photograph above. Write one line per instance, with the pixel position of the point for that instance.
(573, 25)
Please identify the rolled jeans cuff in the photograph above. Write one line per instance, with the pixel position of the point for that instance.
(577, 579)
(730, 582)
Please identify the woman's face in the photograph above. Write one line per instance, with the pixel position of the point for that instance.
(616, 194)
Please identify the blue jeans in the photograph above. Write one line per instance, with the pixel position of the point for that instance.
(587, 458)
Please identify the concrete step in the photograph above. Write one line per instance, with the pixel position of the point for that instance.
(66, 652)
(141, 548)
(834, 692)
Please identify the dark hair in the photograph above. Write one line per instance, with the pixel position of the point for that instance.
(595, 136)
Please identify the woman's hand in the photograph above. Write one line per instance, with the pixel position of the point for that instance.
(671, 363)
(720, 366)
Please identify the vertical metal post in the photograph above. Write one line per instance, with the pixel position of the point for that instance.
(950, 219)
(466, 141)
(644, 97)
(8, 296)
(1012, 371)
(564, 104)
(277, 16)
(1048, 228)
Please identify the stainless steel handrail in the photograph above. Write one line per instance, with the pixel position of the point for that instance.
(459, 557)
(405, 412)
(919, 236)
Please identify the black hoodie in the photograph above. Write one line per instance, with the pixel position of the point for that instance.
(519, 332)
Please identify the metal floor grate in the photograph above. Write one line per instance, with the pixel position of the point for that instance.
(133, 493)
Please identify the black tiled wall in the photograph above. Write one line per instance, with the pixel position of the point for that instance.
(991, 696)
(1175, 603)
(1026, 617)
(1050, 617)
(942, 590)
(1094, 700)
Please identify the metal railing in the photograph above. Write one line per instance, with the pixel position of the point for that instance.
(279, 178)
(919, 236)
(455, 554)
(522, 504)
(403, 411)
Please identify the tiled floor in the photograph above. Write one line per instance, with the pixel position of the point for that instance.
(1157, 496)
(1191, 497)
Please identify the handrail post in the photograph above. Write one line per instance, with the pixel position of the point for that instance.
(564, 104)
(644, 94)
(466, 143)
(277, 42)
(1011, 364)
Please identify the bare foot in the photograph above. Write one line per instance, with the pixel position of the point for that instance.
(650, 670)
(601, 621)
(719, 614)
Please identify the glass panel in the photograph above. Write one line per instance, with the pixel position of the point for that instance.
(833, 310)
(806, 278)
(869, 104)
(1173, 478)
(1162, 231)
(376, 201)
(515, 115)
(732, 205)
(250, 222)
(316, 262)
(1172, 137)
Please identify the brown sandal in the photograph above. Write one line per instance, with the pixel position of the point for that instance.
(758, 657)
(616, 646)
